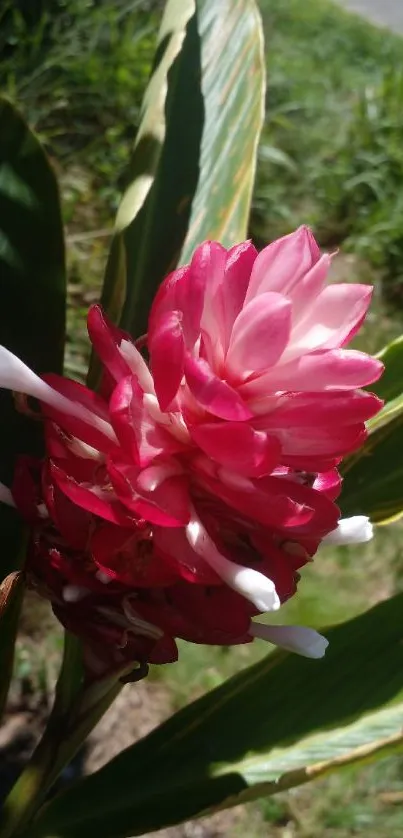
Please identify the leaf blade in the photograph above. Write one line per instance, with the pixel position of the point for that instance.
(233, 121)
(203, 757)
(32, 314)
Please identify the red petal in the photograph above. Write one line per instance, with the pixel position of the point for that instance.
(238, 446)
(214, 394)
(77, 427)
(106, 340)
(167, 504)
(174, 546)
(139, 434)
(129, 558)
(107, 506)
(167, 350)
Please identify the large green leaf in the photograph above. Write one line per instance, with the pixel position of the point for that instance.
(32, 277)
(229, 744)
(373, 482)
(194, 158)
(153, 216)
(233, 84)
(32, 310)
(373, 736)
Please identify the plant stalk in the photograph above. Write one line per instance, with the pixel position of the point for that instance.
(78, 706)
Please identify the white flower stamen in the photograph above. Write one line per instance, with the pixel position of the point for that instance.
(103, 577)
(299, 639)
(355, 530)
(15, 375)
(74, 593)
(251, 584)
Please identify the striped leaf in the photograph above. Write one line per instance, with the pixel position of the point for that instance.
(279, 723)
(193, 165)
(232, 81)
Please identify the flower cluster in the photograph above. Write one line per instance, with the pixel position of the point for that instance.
(182, 499)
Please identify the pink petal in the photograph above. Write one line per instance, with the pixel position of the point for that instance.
(238, 446)
(333, 369)
(106, 339)
(116, 350)
(210, 261)
(282, 264)
(167, 351)
(104, 504)
(325, 442)
(306, 290)
(139, 434)
(167, 504)
(260, 334)
(278, 503)
(331, 320)
(329, 483)
(94, 428)
(238, 268)
(212, 393)
(311, 410)
(168, 297)
(183, 290)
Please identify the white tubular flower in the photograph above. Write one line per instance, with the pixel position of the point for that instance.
(355, 530)
(299, 639)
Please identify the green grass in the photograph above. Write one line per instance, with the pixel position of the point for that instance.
(331, 148)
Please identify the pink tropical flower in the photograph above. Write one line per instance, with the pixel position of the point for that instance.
(183, 499)
(257, 364)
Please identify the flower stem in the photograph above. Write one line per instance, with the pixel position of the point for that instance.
(77, 708)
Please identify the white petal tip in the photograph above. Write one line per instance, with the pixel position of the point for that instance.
(74, 593)
(355, 530)
(299, 639)
(103, 577)
(257, 588)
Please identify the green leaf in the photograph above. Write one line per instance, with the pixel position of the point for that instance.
(32, 287)
(372, 737)
(233, 85)
(32, 306)
(374, 473)
(194, 160)
(390, 385)
(373, 482)
(251, 731)
(153, 216)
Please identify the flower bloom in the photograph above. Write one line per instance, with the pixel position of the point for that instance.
(182, 500)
